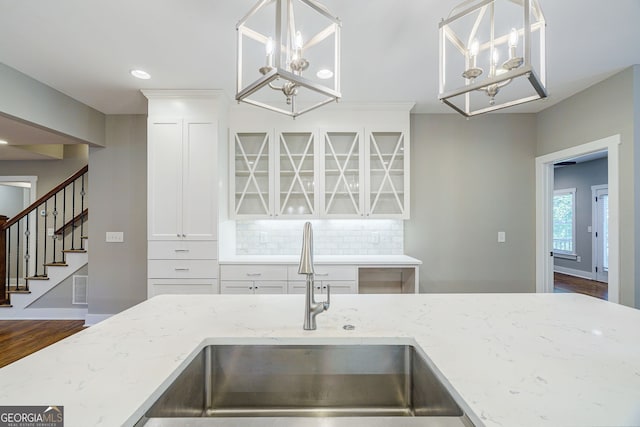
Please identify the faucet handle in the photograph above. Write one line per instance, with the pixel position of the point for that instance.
(327, 303)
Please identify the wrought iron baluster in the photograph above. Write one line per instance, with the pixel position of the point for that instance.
(82, 193)
(64, 215)
(18, 256)
(55, 217)
(27, 255)
(73, 216)
(35, 261)
(44, 258)
(8, 259)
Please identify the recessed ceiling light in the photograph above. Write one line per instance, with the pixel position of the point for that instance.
(324, 74)
(3, 142)
(140, 74)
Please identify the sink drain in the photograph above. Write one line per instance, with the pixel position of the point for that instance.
(348, 327)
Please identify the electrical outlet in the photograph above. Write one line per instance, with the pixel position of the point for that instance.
(502, 237)
(579, 258)
(114, 237)
(50, 232)
(589, 229)
(375, 237)
(264, 237)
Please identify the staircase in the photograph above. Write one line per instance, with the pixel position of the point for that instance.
(42, 246)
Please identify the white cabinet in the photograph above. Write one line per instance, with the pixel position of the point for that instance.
(253, 279)
(183, 135)
(341, 278)
(182, 196)
(387, 174)
(320, 173)
(274, 174)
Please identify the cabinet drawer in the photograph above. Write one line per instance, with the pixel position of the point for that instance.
(253, 272)
(337, 287)
(181, 286)
(182, 249)
(326, 272)
(189, 268)
(253, 287)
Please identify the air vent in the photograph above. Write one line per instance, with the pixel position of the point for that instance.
(80, 289)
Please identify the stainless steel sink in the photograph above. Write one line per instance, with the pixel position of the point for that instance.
(305, 385)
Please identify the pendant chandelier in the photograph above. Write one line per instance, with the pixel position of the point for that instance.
(474, 79)
(288, 54)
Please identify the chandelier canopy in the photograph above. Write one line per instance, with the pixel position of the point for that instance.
(288, 55)
(492, 55)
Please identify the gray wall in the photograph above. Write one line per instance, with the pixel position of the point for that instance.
(49, 172)
(11, 200)
(118, 202)
(605, 109)
(469, 180)
(581, 176)
(62, 295)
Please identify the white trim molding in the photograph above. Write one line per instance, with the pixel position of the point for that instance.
(544, 205)
(573, 272)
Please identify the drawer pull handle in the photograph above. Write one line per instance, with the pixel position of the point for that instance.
(181, 250)
(254, 274)
(182, 269)
(321, 274)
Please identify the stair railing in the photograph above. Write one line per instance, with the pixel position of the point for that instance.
(39, 236)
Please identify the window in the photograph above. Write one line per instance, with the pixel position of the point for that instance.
(564, 221)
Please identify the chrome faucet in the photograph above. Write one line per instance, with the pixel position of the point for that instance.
(311, 307)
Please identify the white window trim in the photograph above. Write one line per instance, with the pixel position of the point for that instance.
(567, 254)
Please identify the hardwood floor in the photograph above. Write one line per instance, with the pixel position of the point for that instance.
(19, 338)
(565, 283)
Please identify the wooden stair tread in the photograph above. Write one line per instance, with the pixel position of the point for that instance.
(21, 291)
(37, 278)
(56, 264)
(84, 237)
(74, 251)
(6, 305)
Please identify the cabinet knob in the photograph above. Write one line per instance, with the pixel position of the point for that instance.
(184, 235)
(177, 235)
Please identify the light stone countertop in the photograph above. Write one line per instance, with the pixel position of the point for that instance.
(371, 260)
(516, 359)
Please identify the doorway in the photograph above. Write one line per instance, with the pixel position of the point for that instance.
(16, 194)
(600, 232)
(544, 212)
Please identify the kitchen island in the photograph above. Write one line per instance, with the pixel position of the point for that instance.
(515, 359)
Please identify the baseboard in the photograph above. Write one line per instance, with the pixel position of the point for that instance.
(573, 272)
(92, 319)
(44, 314)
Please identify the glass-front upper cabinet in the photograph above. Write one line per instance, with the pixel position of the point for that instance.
(297, 167)
(343, 177)
(387, 175)
(252, 175)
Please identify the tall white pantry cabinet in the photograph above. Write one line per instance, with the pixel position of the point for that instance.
(183, 134)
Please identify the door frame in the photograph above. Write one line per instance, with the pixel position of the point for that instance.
(544, 211)
(595, 224)
(32, 180)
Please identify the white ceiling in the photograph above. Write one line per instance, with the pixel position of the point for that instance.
(85, 49)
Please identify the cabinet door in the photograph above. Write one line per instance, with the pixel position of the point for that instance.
(164, 171)
(296, 174)
(236, 287)
(200, 195)
(251, 177)
(339, 287)
(267, 287)
(387, 175)
(343, 174)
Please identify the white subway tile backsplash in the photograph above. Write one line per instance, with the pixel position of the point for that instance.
(330, 237)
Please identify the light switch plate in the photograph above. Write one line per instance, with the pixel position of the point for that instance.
(114, 237)
(502, 237)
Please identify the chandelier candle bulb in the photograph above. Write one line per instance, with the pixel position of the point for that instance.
(269, 50)
(513, 43)
(475, 48)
